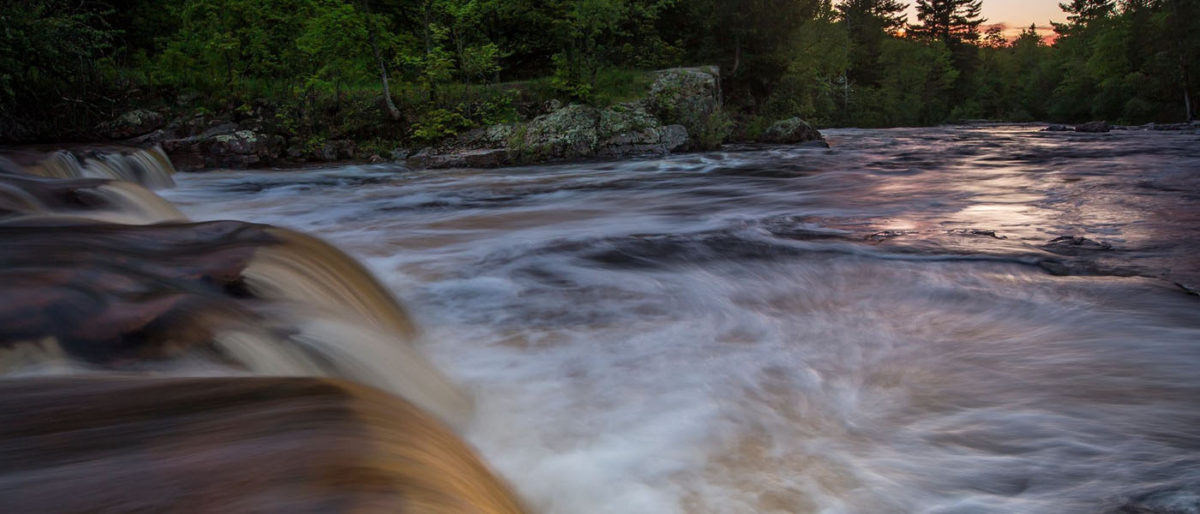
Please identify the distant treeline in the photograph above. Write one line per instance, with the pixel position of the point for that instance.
(858, 62)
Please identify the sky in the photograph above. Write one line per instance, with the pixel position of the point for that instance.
(1015, 14)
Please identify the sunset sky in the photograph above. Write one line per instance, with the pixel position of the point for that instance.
(1015, 14)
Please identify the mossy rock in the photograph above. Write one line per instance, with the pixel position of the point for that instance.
(690, 97)
(791, 131)
(625, 118)
(569, 132)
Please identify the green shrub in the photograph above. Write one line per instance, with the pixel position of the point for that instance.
(439, 124)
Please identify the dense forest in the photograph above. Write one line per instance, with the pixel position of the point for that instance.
(436, 67)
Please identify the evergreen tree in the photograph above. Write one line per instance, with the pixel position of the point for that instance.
(954, 22)
(867, 23)
(865, 15)
(1082, 12)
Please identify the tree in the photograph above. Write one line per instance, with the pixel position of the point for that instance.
(1180, 23)
(1083, 12)
(586, 33)
(813, 85)
(953, 22)
(873, 15)
(49, 55)
(867, 23)
(916, 80)
(374, 29)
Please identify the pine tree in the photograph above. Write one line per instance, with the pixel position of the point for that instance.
(1082, 11)
(867, 23)
(872, 15)
(954, 22)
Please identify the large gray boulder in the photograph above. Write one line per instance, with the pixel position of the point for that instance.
(792, 131)
(570, 132)
(567, 133)
(576, 131)
(690, 97)
(628, 130)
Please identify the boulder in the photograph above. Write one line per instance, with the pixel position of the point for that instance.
(791, 131)
(1057, 128)
(132, 124)
(675, 137)
(216, 148)
(620, 131)
(690, 97)
(1094, 127)
(628, 130)
(1075, 245)
(567, 133)
(571, 132)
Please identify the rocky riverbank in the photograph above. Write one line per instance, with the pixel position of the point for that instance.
(681, 111)
(1100, 127)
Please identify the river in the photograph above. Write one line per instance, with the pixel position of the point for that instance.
(957, 319)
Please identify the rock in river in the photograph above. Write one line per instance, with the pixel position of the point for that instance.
(792, 131)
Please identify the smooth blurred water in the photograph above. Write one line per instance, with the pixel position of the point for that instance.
(884, 326)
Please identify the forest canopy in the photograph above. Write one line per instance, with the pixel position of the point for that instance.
(441, 64)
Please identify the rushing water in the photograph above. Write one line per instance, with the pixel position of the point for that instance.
(986, 319)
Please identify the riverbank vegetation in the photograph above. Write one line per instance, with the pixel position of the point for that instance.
(422, 70)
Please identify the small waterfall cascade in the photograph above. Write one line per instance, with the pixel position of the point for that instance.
(111, 300)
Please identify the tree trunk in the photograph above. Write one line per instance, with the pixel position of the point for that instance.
(427, 20)
(1187, 93)
(737, 55)
(393, 112)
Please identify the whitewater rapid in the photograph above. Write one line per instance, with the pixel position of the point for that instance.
(962, 319)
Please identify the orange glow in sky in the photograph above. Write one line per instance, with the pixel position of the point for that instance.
(1015, 15)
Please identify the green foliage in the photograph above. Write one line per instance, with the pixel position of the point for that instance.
(953, 22)
(221, 41)
(336, 39)
(814, 82)
(439, 124)
(714, 129)
(454, 64)
(49, 51)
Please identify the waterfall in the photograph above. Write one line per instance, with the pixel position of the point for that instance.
(103, 279)
(149, 167)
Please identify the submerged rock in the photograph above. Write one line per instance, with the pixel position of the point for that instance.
(975, 232)
(1057, 128)
(1073, 245)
